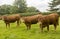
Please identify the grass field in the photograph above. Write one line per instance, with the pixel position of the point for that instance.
(22, 33)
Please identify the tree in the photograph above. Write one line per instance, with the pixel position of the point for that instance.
(8, 9)
(13, 9)
(32, 9)
(21, 4)
(57, 2)
(4, 9)
(53, 5)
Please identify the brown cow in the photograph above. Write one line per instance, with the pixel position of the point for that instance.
(11, 19)
(47, 20)
(30, 20)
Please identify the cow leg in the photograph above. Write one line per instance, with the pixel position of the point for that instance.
(41, 28)
(29, 26)
(17, 23)
(26, 26)
(9, 25)
(57, 21)
(20, 20)
(55, 26)
(6, 25)
(47, 27)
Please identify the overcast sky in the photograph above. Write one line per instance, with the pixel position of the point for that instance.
(42, 5)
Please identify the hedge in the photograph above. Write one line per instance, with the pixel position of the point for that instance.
(33, 13)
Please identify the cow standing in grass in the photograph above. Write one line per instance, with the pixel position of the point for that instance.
(11, 19)
(47, 20)
(29, 20)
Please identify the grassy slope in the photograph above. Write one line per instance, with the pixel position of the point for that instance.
(21, 32)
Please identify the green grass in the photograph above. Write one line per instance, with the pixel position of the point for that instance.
(22, 33)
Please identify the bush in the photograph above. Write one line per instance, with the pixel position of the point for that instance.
(33, 13)
(28, 14)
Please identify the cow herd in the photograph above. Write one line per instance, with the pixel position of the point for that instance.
(43, 20)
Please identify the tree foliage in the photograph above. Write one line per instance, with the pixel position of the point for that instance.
(32, 9)
(54, 5)
(8, 9)
(21, 4)
(4, 9)
(13, 9)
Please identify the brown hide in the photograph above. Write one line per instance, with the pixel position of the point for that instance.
(11, 19)
(30, 20)
(49, 20)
